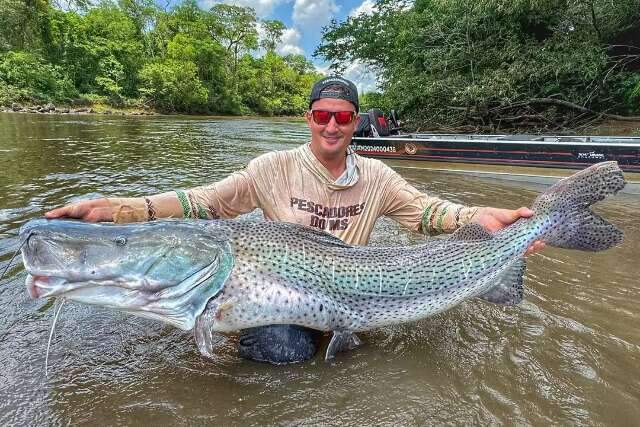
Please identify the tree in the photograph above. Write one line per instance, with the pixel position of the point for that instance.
(493, 63)
(21, 23)
(173, 85)
(144, 15)
(273, 30)
(299, 63)
(234, 27)
(29, 76)
(208, 57)
(128, 51)
(270, 86)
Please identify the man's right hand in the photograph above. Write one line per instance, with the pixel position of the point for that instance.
(98, 210)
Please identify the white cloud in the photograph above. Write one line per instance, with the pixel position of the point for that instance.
(367, 7)
(323, 69)
(263, 8)
(360, 74)
(290, 43)
(312, 15)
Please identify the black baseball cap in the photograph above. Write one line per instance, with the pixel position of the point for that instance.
(335, 87)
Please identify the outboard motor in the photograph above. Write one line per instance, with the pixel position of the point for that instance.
(375, 124)
(363, 128)
(379, 125)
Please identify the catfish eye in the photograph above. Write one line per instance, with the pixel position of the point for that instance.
(121, 240)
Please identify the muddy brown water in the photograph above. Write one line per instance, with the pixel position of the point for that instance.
(569, 354)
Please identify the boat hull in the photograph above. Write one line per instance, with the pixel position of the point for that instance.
(530, 151)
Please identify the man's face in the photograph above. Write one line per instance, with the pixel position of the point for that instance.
(332, 139)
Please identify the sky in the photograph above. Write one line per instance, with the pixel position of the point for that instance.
(304, 20)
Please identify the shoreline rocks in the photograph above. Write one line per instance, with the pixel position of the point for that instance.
(50, 108)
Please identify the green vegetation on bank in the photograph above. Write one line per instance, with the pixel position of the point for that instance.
(495, 64)
(133, 54)
(470, 64)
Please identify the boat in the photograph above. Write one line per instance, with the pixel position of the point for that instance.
(378, 136)
(573, 152)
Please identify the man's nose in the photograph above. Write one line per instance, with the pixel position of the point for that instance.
(332, 126)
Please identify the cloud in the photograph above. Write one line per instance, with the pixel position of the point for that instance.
(367, 7)
(290, 43)
(312, 15)
(363, 76)
(263, 8)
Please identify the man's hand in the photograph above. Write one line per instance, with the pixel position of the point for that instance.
(98, 210)
(494, 219)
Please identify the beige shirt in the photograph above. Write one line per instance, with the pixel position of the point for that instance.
(293, 186)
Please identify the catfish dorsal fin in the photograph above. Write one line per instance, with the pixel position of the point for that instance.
(508, 288)
(471, 232)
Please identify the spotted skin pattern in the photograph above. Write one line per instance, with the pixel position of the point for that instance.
(289, 274)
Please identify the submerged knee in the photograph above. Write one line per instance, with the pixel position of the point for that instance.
(278, 344)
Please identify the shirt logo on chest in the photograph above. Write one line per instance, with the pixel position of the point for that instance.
(329, 218)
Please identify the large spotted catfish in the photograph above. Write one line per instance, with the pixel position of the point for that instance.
(224, 276)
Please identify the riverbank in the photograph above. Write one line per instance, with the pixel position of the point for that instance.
(606, 127)
(51, 108)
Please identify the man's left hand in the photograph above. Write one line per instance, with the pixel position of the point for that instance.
(494, 219)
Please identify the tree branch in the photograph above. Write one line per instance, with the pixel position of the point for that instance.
(572, 106)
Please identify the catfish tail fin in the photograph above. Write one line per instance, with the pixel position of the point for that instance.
(566, 204)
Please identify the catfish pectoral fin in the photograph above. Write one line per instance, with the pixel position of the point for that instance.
(341, 341)
(206, 338)
(509, 289)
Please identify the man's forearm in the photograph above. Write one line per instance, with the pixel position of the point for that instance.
(149, 208)
(446, 217)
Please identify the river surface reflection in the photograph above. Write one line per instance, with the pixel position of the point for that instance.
(569, 354)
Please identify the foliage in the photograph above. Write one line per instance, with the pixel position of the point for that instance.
(270, 86)
(628, 87)
(369, 100)
(32, 77)
(634, 94)
(21, 23)
(235, 28)
(173, 85)
(273, 30)
(446, 62)
(124, 52)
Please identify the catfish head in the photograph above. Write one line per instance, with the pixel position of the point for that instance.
(163, 270)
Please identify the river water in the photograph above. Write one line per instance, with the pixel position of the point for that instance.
(569, 354)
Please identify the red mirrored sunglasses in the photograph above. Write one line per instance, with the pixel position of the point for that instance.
(324, 117)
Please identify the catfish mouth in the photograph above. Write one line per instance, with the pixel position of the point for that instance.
(166, 272)
(44, 286)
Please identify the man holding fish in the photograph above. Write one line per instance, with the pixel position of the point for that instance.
(321, 184)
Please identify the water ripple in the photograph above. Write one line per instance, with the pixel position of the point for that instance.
(567, 355)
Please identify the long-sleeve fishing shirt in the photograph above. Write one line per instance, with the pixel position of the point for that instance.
(293, 186)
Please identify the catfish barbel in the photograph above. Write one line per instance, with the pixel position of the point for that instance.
(226, 275)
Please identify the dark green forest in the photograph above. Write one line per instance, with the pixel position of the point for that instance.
(496, 64)
(132, 53)
(465, 64)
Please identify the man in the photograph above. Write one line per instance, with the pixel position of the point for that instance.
(322, 184)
